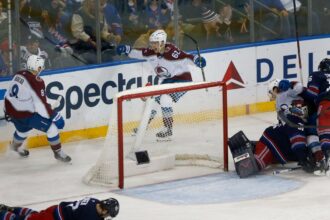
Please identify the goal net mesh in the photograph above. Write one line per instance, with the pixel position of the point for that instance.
(176, 124)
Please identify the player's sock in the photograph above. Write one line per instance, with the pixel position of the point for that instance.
(6, 215)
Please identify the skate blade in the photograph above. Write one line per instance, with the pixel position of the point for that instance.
(166, 139)
(322, 173)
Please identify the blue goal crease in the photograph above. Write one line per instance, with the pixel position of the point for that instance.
(214, 188)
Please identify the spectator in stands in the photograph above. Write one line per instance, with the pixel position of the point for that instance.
(271, 18)
(211, 22)
(240, 21)
(84, 33)
(31, 46)
(4, 59)
(3, 23)
(303, 17)
(157, 15)
(191, 13)
(322, 10)
(113, 19)
(55, 29)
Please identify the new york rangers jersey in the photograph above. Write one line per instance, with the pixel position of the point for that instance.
(84, 209)
(26, 96)
(172, 64)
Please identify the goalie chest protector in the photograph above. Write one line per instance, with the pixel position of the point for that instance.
(241, 149)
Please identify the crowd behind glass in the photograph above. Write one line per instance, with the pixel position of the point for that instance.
(70, 33)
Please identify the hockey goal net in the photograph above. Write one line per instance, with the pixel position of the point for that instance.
(176, 124)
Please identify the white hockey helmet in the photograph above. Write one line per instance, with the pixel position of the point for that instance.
(158, 36)
(271, 86)
(34, 62)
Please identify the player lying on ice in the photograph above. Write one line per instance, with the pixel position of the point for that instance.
(170, 65)
(281, 143)
(27, 108)
(85, 209)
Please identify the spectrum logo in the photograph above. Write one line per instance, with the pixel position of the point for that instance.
(232, 78)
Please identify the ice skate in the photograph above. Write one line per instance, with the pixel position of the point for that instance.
(164, 135)
(20, 150)
(61, 156)
(4, 207)
(322, 167)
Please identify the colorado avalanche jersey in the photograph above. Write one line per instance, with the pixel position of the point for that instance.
(26, 95)
(84, 209)
(172, 64)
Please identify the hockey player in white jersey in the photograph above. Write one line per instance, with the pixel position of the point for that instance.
(170, 65)
(27, 108)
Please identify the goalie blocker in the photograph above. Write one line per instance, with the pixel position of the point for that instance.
(241, 150)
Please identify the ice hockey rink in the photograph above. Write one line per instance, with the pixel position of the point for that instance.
(40, 181)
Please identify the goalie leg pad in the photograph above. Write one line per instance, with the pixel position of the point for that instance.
(241, 150)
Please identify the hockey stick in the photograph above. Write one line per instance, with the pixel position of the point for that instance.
(297, 40)
(282, 116)
(276, 172)
(198, 53)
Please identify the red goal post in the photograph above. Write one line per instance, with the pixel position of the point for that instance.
(124, 97)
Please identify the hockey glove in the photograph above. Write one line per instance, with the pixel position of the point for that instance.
(58, 120)
(199, 61)
(297, 111)
(123, 49)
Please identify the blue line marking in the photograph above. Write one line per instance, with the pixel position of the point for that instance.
(215, 188)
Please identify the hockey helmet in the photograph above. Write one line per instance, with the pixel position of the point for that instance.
(111, 205)
(158, 36)
(284, 85)
(273, 84)
(324, 65)
(34, 62)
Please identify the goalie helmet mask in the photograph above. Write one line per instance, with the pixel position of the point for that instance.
(324, 65)
(273, 88)
(35, 64)
(111, 205)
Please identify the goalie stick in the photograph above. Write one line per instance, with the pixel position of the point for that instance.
(276, 172)
(198, 53)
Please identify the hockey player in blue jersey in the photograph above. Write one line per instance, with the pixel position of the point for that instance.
(281, 143)
(85, 209)
(318, 96)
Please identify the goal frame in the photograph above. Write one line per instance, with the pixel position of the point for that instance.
(182, 88)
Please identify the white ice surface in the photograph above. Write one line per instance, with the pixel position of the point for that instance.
(40, 181)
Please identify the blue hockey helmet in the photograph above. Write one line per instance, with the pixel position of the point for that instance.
(284, 85)
(111, 205)
(324, 65)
